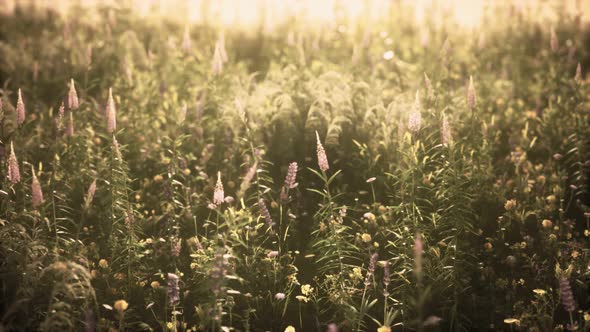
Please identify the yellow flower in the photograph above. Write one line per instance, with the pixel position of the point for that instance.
(103, 263)
(551, 199)
(306, 289)
(384, 329)
(586, 316)
(510, 204)
(302, 298)
(366, 238)
(290, 329)
(121, 306)
(539, 292)
(158, 178)
(155, 284)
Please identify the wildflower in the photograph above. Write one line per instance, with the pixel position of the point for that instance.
(183, 111)
(306, 289)
(103, 263)
(173, 289)
(510, 204)
(291, 176)
(61, 110)
(36, 192)
(121, 306)
(369, 216)
(578, 76)
(322, 158)
(415, 118)
(471, 98)
(13, 170)
(302, 298)
(366, 238)
(272, 254)
(217, 63)
(369, 180)
(384, 328)
(265, 213)
(111, 113)
(116, 148)
(332, 328)
(70, 126)
(20, 109)
(547, 224)
(176, 247)
(418, 247)
(432, 321)
(539, 292)
(567, 297)
(73, 102)
(218, 194)
(371, 268)
(554, 42)
(290, 329)
(551, 199)
(280, 296)
(90, 194)
(386, 279)
(155, 284)
(446, 131)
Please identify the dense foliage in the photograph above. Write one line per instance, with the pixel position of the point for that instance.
(147, 179)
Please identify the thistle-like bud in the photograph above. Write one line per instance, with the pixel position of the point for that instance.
(567, 297)
(36, 192)
(471, 98)
(322, 158)
(70, 126)
(415, 118)
(13, 170)
(111, 113)
(73, 102)
(445, 130)
(90, 194)
(20, 109)
(578, 76)
(291, 176)
(218, 194)
(554, 41)
(173, 290)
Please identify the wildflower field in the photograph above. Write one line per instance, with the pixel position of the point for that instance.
(362, 175)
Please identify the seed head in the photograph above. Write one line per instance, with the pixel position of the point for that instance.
(13, 170)
(322, 158)
(20, 109)
(73, 102)
(265, 213)
(90, 194)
